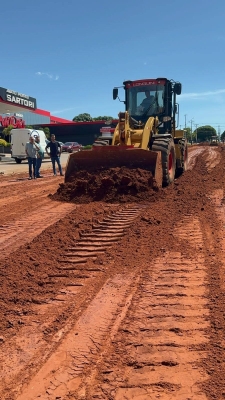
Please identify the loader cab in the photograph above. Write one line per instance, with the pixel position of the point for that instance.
(144, 99)
(151, 98)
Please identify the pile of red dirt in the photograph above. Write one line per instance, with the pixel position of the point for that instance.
(109, 185)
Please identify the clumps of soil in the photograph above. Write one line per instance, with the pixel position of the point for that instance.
(109, 185)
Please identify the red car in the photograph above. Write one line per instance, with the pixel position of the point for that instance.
(71, 146)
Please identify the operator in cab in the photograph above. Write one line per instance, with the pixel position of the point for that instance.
(148, 105)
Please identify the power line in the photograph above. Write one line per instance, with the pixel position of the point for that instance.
(212, 123)
(215, 123)
(208, 123)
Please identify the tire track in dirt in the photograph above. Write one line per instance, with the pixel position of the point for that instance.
(9, 180)
(193, 153)
(166, 324)
(30, 226)
(215, 364)
(63, 372)
(163, 335)
(23, 190)
(23, 355)
(18, 205)
(213, 158)
(28, 223)
(162, 323)
(112, 228)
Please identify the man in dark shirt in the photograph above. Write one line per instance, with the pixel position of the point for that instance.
(40, 156)
(55, 151)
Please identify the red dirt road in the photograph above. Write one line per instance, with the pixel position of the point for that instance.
(114, 300)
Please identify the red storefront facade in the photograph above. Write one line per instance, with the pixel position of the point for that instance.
(20, 110)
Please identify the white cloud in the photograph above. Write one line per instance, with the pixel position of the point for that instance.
(63, 110)
(50, 76)
(202, 94)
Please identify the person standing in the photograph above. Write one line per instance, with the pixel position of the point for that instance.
(31, 152)
(40, 156)
(55, 150)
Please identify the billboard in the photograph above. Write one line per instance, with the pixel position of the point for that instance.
(18, 99)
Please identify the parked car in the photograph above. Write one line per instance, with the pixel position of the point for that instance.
(71, 146)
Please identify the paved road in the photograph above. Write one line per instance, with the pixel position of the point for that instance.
(9, 166)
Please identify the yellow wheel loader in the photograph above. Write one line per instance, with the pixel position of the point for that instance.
(145, 135)
(214, 141)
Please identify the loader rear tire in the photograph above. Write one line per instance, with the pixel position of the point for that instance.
(183, 163)
(184, 150)
(168, 155)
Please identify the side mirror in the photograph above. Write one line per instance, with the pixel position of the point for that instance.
(177, 88)
(115, 93)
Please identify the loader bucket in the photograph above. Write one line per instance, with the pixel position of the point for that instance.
(114, 156)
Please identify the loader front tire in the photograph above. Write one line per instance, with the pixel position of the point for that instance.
(184, 153)
(182, 164)
(168, 155)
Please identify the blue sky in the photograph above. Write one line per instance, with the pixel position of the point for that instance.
(69, 55)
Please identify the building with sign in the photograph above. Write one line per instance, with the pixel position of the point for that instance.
(15, 99)
(18, 109)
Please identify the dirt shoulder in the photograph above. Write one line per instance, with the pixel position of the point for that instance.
(114, 300)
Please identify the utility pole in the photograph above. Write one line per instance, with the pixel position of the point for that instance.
(191, 121)
(185, 115)
(196, 128)
(219, 131)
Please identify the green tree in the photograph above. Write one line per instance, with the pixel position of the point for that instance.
(3, 142)
(7, 131)
(47, 132)
(204, 133)
(222, 137)
(83, 117)
(88, 117)
(100, 118)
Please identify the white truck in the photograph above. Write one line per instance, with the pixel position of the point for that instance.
(19, 138)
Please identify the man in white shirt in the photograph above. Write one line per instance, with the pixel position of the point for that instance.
(31, 149)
